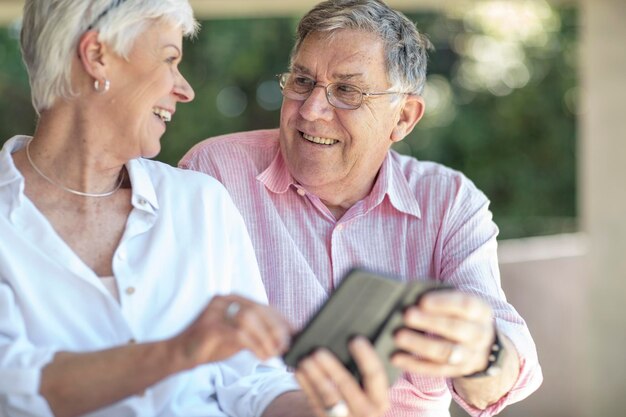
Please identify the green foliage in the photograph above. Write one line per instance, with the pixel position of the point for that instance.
(519, 148)
(16, 111)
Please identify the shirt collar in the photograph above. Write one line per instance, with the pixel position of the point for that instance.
(393, 183)
(143, 194)
(276, 176)
(8, 172)
(390, 181)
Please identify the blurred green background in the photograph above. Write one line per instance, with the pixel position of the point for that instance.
(501, 100)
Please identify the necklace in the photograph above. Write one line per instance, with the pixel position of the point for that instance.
(69, 190)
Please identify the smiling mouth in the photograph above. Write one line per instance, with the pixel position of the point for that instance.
(319, 140)
(163, 114)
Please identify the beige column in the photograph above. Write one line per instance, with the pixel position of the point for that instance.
(603, 199)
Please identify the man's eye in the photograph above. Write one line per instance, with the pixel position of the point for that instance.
(303, 82)
(347, 89)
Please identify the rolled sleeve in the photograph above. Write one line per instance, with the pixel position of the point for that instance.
(472, 267)
(529, 379)
(20, 364)
(248, 386)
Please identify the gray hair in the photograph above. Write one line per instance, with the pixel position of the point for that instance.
(51, 30)
(405, 48)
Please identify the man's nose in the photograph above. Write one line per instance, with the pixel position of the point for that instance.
(316, 106)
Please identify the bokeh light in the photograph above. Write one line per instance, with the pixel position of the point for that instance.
(231, 101)
(268, 95)
(493, 49)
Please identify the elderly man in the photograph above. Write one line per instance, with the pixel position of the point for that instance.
(325, 193)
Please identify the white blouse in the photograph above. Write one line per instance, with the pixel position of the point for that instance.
(184, 243)
(111, 286)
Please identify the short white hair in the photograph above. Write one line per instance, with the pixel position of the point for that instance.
(51, 30)
(405, 47)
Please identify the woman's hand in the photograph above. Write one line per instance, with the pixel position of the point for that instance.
(230, 324)
(333, 391)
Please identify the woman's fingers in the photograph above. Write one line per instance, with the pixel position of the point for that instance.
(328, 383)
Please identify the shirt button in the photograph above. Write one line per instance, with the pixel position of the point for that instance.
(130, 290)
(301, 192)
(339, 227)
(142, 202)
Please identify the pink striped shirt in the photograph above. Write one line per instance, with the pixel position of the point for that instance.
(421, 219)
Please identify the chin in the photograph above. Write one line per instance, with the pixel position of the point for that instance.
(151, 151)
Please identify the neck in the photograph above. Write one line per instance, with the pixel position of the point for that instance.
(339, 198)
(72, 156)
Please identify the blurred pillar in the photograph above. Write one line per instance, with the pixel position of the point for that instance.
(603, 199)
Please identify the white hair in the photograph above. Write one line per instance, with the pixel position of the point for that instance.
(405, 47)
(51, 30)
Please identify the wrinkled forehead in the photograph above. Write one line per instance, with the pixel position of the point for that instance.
(341, 55)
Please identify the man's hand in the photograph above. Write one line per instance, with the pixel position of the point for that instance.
(449, 334)
(230, 324)
(327, 383)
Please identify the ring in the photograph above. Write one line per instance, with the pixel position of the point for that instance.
(456, 355)
(338, 410)
(232, 310)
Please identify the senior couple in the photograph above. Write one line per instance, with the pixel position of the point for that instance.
(131, 288)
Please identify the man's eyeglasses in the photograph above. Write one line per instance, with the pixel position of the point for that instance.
(339, 95)
(112, 6)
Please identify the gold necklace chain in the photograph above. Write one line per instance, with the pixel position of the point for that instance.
(69, 190)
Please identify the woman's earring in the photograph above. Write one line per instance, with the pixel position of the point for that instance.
(105, 87)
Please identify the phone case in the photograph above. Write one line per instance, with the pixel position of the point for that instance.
(367, 304)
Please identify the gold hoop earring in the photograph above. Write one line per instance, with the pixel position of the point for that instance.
(105, 87)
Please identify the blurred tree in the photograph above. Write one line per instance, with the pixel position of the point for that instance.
(16, 111)
(501, 101)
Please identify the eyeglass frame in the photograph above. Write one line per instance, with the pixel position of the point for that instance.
(112, 6)
(282, 82)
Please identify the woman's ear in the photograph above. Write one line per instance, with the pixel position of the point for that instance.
(92, 55)
(411, 112)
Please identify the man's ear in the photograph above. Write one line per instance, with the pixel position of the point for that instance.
(92, 55)
(411, 112)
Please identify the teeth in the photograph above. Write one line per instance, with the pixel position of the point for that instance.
(321, 141)
(165, 115)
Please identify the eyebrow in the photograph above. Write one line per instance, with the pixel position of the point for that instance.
(357, 76)
(349, 77)
(299, 68)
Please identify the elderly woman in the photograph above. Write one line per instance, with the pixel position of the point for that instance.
(112, 301)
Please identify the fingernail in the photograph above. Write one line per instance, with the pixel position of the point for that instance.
(323, 354)
(359, 342)
(304, 364)
(397, 362)
(413, 314)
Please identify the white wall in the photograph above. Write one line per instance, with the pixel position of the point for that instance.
(547, 282)
(603, 199)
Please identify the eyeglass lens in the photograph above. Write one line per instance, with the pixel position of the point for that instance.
(340, 95)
